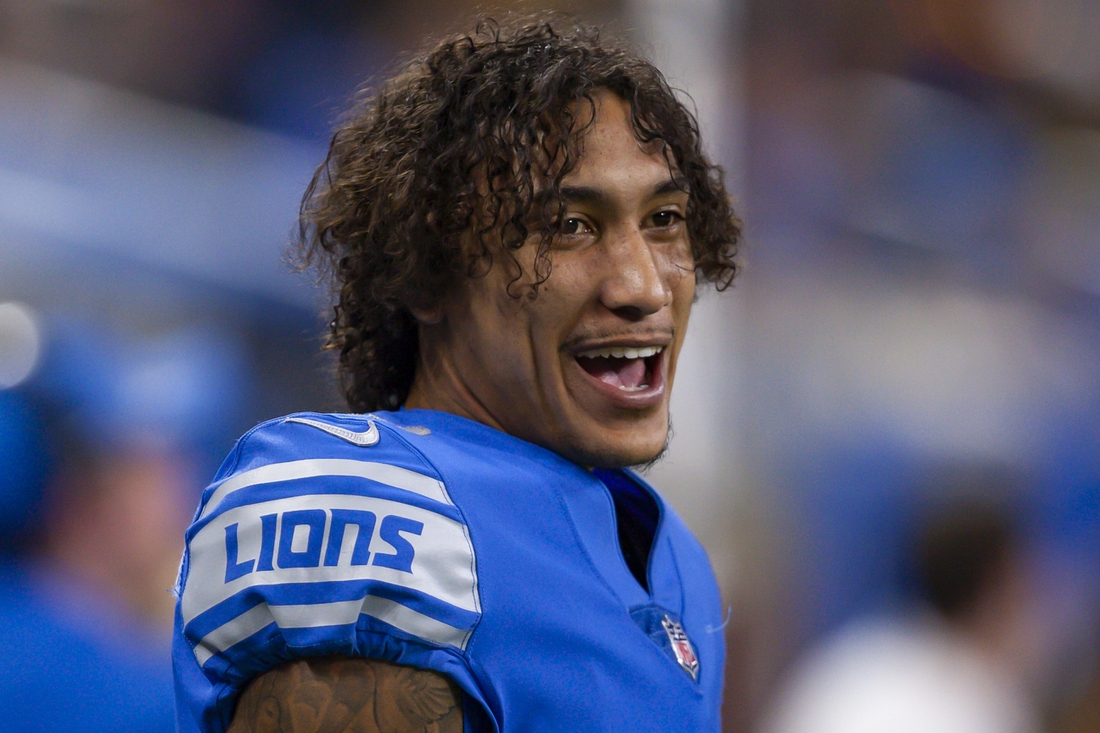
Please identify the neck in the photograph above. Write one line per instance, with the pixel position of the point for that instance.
(438, 385)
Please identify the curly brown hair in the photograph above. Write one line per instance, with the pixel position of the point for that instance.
(467, 139)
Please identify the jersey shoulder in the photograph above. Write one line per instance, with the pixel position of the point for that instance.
(317, 440)
(325, 534)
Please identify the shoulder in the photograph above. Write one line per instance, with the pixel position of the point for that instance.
(326, 534)
(306, 444)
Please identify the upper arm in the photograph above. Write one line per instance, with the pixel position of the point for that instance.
(346, 695)
(308, 545)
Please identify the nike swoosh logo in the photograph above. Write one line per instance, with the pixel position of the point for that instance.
(364, 439)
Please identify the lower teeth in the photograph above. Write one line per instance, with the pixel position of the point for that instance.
(639, 388)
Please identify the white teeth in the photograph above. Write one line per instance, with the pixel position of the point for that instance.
(639, 388)
(623, 352)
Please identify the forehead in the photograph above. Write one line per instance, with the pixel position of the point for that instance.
(610, 149)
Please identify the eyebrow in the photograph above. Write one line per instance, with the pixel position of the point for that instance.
(599, 197)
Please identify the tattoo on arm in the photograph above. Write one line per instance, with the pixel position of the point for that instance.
(340, 695)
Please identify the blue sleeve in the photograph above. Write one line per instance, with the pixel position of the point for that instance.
(321, 535)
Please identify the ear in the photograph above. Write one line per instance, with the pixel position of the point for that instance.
(428, 316)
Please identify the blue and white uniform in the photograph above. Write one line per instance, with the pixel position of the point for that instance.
(429, 540)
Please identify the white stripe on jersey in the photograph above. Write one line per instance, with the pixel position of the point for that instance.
(443, 564)
(414, 622)
(239, 629)
(401, 478)
(329, 614)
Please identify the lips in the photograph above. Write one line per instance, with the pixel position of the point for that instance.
(627, 368)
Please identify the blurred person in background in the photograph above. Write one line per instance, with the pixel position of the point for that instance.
(953, 663)
(108, 439)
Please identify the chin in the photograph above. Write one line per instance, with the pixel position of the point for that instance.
(600, 448)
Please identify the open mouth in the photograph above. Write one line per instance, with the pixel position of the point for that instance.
(630, 369)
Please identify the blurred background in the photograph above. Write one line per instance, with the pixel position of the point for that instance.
(887, 433)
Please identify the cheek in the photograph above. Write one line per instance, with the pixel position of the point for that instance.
(682, 284)
(683, 296)
(560, 299)
(494, 335)
(485, 316)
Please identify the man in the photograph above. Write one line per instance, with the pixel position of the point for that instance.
(515, 225)
(953, 660)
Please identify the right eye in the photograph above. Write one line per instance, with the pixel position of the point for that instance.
(575, 225)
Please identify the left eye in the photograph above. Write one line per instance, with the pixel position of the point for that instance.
(573, 225)
(665, 218)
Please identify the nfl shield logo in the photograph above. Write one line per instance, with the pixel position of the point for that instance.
(681, 646)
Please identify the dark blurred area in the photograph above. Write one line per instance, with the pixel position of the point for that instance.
(888, 433)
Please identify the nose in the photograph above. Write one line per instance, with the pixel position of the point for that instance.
(637, 281)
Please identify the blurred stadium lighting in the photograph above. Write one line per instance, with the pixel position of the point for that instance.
(695, 44)
(20, 343)
(87, 171)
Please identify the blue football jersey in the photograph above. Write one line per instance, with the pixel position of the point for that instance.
(425, 539)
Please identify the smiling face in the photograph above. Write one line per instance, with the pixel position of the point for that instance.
(585, 368)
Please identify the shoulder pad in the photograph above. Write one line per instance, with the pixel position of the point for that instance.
(318, 525)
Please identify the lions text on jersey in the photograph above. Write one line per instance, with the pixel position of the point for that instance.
(429, 540)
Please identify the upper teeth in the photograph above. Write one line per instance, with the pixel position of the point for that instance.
(623, 352)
